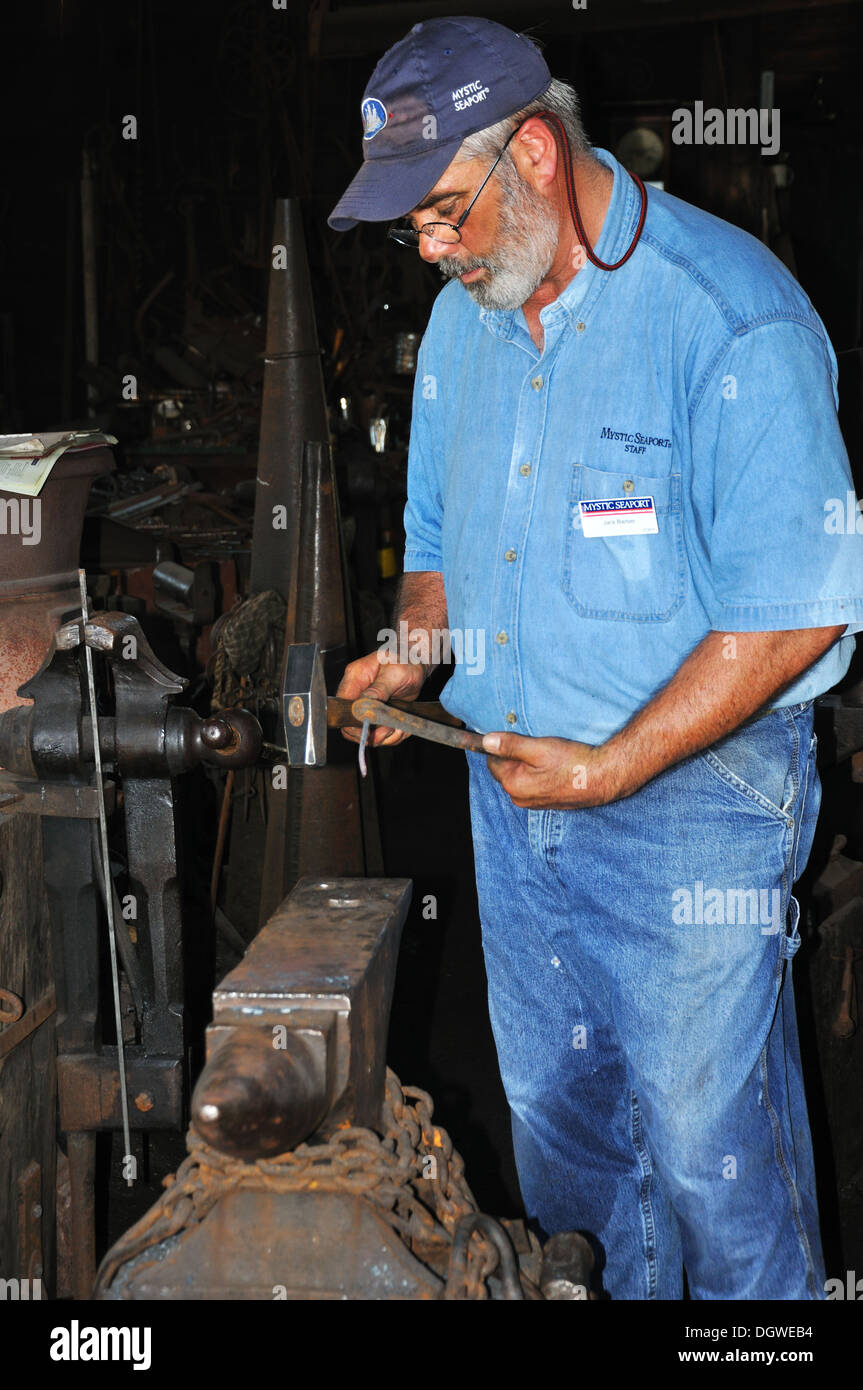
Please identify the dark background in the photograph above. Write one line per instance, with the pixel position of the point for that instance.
(238, 103)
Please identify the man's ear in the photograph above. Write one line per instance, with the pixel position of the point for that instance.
(535, 152)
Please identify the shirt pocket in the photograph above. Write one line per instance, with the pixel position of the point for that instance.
(625, 578)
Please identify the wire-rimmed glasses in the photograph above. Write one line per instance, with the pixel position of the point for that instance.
(443, 231)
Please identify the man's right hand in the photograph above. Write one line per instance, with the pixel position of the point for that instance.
(377, 680)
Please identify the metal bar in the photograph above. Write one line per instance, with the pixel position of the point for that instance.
(90, 1092)
(16, 1032)
(106, 872)
(154, 881)
(377, 712)
(81, 1148)
(340, 714)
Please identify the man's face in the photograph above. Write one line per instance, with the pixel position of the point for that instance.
(508, 241)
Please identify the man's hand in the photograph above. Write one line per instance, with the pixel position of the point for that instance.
(724, 680)
(421, 603)
(551, 773)
(377, 678)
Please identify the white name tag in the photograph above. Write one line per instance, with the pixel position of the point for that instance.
(618, 516)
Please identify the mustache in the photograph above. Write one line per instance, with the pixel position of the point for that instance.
(450, 268)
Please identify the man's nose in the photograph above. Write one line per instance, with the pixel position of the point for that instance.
(433, 250)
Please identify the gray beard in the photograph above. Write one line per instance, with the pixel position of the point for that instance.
(528, 228)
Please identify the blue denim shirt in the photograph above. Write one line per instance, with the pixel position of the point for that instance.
(699, 375)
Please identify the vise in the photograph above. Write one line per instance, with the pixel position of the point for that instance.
(47, 756)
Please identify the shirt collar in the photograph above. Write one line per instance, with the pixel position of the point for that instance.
(618, 229)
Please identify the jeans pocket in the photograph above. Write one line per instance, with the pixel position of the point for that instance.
(760, 764)
(625, 578)
(749, 795)
(791, 939)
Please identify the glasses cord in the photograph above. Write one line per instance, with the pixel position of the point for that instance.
(560, 134)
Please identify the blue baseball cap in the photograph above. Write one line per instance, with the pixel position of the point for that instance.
(445, 80)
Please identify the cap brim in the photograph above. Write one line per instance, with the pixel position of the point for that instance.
(387, 188)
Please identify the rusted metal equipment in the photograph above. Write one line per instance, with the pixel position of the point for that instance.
(293, 406)
(323, 823)
(47, 753)
(367, 1199)
(38, 588)
(327, 824)
(316, 983)
(39, 583)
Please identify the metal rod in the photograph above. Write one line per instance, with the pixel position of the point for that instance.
(224, 816)
(106, 872)
(377, 712)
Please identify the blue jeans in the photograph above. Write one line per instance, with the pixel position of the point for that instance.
(638, 959)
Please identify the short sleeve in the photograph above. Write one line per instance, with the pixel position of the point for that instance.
(423, 517)
(777, 539)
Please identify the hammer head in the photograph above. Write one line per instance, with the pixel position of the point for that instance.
(304, 706)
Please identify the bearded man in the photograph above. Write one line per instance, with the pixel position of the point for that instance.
(623, 441)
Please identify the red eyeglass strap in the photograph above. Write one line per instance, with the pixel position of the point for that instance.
(560, 134)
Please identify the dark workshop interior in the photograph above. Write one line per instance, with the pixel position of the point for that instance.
(155, 155)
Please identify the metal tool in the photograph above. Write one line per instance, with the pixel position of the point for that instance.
(106, 874)
(308, 712)
(48, 752)
(397, 717)
(361, 754)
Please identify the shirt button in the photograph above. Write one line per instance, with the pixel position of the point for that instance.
(512, 717)
(580, 327)
(502, 639)
(525, 469)
(628, 485)
(536, 383)
(509, 555)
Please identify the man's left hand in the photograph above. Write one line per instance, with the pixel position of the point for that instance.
(552, 773)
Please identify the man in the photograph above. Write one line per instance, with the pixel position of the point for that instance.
(623, 444)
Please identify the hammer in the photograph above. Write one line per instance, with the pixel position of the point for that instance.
(307, 712)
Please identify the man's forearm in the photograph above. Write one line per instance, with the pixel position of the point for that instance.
(421, 603)
(724, 680)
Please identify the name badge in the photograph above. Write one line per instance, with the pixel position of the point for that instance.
(618, 516)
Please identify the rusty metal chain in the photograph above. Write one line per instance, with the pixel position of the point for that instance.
(411, 1173)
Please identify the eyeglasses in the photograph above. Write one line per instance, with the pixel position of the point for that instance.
(444, 231)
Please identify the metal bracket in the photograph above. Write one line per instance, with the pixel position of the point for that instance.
(23, 796)
(28, 1022)
(89, 1090)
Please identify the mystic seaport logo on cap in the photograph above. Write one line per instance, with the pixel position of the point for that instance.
(374, 117)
